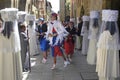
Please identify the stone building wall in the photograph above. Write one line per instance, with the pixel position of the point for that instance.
(62, 10)
(83, 7)
(5, 3)
(22, 5)
(78, 7)
(95, 5)
(13, 4)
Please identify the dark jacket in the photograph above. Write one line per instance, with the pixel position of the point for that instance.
(72, 32)
(79, 28)
(42, 29)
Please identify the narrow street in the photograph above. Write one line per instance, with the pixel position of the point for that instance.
(27, 26)
(77, 70)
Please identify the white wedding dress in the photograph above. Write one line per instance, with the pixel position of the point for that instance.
(32, 33)
(85, 41)
(10, 57)
(32, 41)
(107, 57)
(92, 49)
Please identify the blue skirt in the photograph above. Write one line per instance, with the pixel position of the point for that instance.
(44, 44)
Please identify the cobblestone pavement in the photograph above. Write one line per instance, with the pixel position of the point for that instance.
(77, 70)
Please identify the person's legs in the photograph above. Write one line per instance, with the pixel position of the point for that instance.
(44, 48)
(64, 57)
(70, 57)
(54, 62)
(71, 51)
(66, 62)
(67, 57)
(44, 57)
(45, 54)
(67, 51)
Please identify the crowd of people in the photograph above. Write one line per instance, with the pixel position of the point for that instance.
(100, 43)
(19, 38)
(55, 35)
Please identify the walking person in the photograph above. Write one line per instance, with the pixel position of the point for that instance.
(69, 41)
(44, 44)
(55, 35)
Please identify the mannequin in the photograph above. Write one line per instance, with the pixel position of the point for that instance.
(21, 18)
(31, 33)
(93, 37)
(84, 33)
(10, 57)
(107, 64)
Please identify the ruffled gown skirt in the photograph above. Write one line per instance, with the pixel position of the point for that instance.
(92, 52)
(32, 41)
(10, 61)
(107, 64)
(78, 43)
(85, 44)
(107, 57)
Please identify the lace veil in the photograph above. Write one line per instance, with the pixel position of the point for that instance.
(10, 27)
(94, 25)
(109, 23)
(85, 25)
(30, 20)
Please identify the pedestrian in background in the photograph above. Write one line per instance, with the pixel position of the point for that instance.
(78, 36)
(44, 44)
(69, 41)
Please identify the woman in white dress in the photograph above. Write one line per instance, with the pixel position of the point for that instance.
(107, 64)
(93, 37)
(84, 33)
(10, 58)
